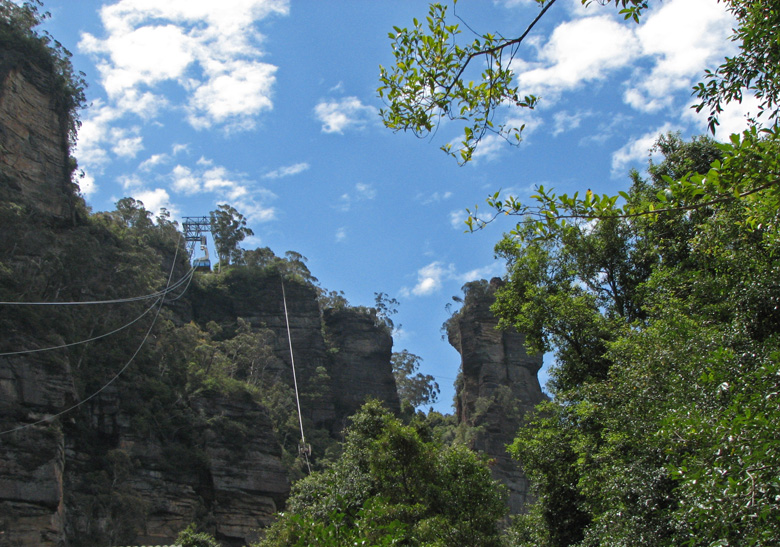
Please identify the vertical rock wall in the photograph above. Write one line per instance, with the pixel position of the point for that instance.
(360, 362)
(33, 139)
(498, 384)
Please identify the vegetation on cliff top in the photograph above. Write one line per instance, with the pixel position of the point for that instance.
(19, 34)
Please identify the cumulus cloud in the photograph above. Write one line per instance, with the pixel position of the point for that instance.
(637, 150)
(566, 121)
(362, 192)
(155, 200)
(458, 219)
(430, 279)
(733, 119)
(436, 197)
(87, 185)
(347, 113)
(681, 37)
(209, 53)
(564, 63)
(672, 43)
(287, 171)
(153, 161)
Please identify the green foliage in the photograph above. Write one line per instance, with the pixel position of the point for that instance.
(415, 388)
(756, 68)
(426, 83)
(666, 331)
(393, 485)
(190, 537)
(229, 229)
(18, 34)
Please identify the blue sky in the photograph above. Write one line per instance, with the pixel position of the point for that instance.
(271, 106)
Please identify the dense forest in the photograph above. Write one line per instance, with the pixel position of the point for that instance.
(661, 306)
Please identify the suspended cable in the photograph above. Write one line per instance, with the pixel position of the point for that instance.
(303, 449)
(107, 334)
(160, 301)
(62, 346)
(157, 294)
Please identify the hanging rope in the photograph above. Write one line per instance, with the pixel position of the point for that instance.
(303, 449)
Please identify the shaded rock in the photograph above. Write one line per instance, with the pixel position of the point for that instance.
(498, 384)
(361, 367)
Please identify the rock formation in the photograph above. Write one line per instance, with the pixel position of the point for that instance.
(498, 384)
(34, 160)
(146, 456)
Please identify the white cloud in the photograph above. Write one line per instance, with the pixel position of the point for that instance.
(636, 150)
(154, 200)
(436, 197)
(125, 146)
(287, 171)
(130, 181)
(235, 92)
(733, 119)
(681, 37)
(153, 161)
(183, 180)
(227, 186)
(341, 234)
(348, 113)
(255, 210)
(87, 185)
(486, 272)
(430, 279)
(363, 192)
(566, 121)
(94, 134)
(209, 51)
(565, 64)
(458, 219)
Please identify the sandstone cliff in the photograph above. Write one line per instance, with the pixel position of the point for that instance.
(497, 386)
(181, 435)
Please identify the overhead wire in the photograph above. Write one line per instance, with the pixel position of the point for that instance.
(159, 301)
(188, 277)
(71, 344)
(157, 294)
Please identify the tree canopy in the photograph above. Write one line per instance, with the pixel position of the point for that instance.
(393, 485)
(229, 229)
(660, 304)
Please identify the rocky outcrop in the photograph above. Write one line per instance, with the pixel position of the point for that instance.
(360, 366)
(498, 384)
(33, 139)
(342, 357)
(146, 455)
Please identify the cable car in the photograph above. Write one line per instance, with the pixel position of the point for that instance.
(202, 264)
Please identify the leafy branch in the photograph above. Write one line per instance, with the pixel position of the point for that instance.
(728, 180)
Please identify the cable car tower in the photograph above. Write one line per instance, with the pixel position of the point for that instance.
(194, 231)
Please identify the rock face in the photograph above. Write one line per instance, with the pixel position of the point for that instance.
(360, 365)
(107, 472)
(347, 345)
(33, 139)
(498, 384)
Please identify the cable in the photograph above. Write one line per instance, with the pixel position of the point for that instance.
(303, 449)
(114, 301)
(9, 353)
(161, 301)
